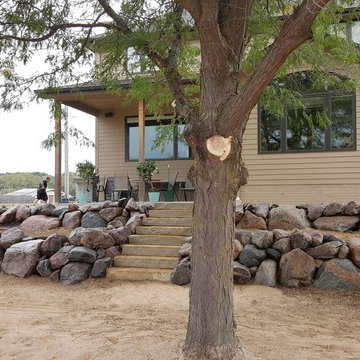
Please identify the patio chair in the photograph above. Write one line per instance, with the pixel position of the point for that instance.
(170, 186)
(100, 188)
(188, 187)
(122, 185)
(109, 187)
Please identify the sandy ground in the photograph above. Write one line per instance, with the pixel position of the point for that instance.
(106, 319)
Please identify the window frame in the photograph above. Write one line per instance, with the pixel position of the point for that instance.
(148, 119)
(327, 148)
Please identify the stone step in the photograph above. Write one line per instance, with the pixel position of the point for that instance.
(164, 230)
(133, 274)
(167, 221)
(150, 250)
(151, 262)
(185, 205)
(157, 240)
(170, 213)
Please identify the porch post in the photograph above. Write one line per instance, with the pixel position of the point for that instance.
(141, 115)
(57, 115)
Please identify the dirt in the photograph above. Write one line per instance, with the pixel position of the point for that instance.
(103, 319)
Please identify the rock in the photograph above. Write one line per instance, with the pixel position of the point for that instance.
(22, 213)
(343, 252)
(237, 249)
(283, 245)
(354, 250)
(318, 263)
(241, 274)
(263, 239)
(119, 221)
(73, 207)
(74, 273)
(92, 220)
(53, 244)
(9, 215)
(134, 222)
(300, 239)
(113, 251)
(273, 254)
(84, 208)
(251, 221)
(338, 274)
(280, 234)
(120, 235)
(10, 237)
(44, 268)
(57, 212)
(40, 222)
(185, 250)
(100, 266)
(262, 210)
(110, 213)
(100, 253)
(96, 239)
(266, 273)
(253, 270)
(123, 202)
(55, 276)
(239, 211)
(330, 237)
(46, 209)
(21, 258)
(287, 218)
(336, 223)
(132, 205)
(60, 258)
(72, 220)
(181, 275)
(296, 268)
(244, 236)
(35, 210)
(315, 211)
(352, 208)
(252, 256)
(75, 236)
(109, 203)
(96, 207)
(333, 209)
(82, 254)
(325, 251)
(316, 239)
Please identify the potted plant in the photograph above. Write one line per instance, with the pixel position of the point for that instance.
(86, 171)
(146, 170)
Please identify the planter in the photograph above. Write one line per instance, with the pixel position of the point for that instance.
(83, 198)
(169, 195)
(154, 196)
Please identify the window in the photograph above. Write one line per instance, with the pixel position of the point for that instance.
(174, 149)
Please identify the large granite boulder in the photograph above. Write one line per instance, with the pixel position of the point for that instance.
(61, 257)
(352, 208)
(134, 222)
(44, 268)
(92, 220)
(315, 211)
(22, 213)
(252, 256)
(317, 239)
(296, 268)
(46, 209)
(237, 249)
(280, 234)
(185, 250)
(262, 210)
(251, 221)
(325, 251)
(263, 239)
(181, 275)
(120, 235)
(99, 268)
(337, 223)
(72, 220)
(82, 254)
(241, 274)
(9, 215)
(53, 244)
(266, 273)
(10, 237)
(287, 218)
(112, 251)
(283, 245)
(273, 254)
(40, 222)
(96, 239)
(117, 222)
(59, 212)
(75, 236)
(75, 272)
(354, 250)
(110, 213)
(300, 240)
(244, 236)
(21, 259)
(333, 209)
(338, 274)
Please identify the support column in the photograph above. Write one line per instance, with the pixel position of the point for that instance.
(141, 115)
(57, 152)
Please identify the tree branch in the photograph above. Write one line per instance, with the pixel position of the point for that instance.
(192, 6)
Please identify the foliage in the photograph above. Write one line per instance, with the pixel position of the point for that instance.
(146, 170)
(86, 170)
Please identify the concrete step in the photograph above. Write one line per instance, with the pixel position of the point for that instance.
(164, 230)
(170, 213)
(150, 262)
(167, 221)
(132, 274)
(150, 250)
(185, 205)
(157, 240)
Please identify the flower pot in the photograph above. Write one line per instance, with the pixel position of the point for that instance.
(169, 195)
(154, 196)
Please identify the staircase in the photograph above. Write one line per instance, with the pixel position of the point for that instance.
(153, 252)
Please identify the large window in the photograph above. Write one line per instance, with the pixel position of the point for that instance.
(176, 148)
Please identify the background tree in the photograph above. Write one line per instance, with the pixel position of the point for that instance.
(244, 45)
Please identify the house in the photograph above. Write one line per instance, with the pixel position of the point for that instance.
(287, 163)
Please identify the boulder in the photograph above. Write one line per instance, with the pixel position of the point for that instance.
(262, 210)
(181, 275)
(273, 254)
(113, 251)
(132, 205)
(46, 209)
(266, 273)
(333, 209)
(244, 236)
(120, 235)
(251, 221)
(84, 208)
(92, 220)
(119, 221)
(134, 222)
(55, 276)
(338, 274)
(44, 268)
(315, 211)
(283, 245)
(287, 218)
(82, 254)
(253, 270)
(263, 239)
(108, 214)
(252, 256)
(343, 252)
(96, 207)
(99, 268)
(316, 239)
(237, 249)
(300, 239)
(9, 215)
(75, 236)
(241, 273)
(296, 268)
(22, 213)
(75, 272)
(60, 258)
(110, 203)
(40, 222)
(330, 237)
(72, 220)
(239, 211)
(10, 237)
(53, 244)
(21, 259)
(96, 239)
(73, 207)
(280, 234)
(352, 208)
(354, 250)
(185, 250)
(59, 211)
(325, 251)
(336, 223)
